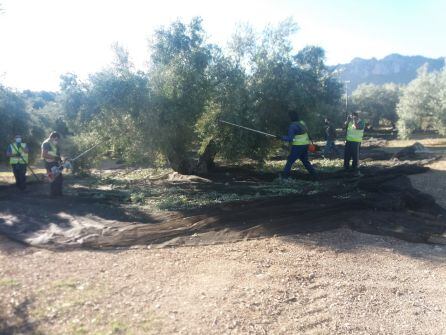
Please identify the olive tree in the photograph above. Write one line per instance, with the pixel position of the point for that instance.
(179, 86)
(378, 102)
(420, 104)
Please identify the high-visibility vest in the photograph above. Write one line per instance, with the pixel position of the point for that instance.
(302, 139)
(21, 150)
(52, 151)
(353, 134)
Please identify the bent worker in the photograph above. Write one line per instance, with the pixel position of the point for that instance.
(299, 139)
(330, 137)
(18, 158)
(51, 156)
(355, 132)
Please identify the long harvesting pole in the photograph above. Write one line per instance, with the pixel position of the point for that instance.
(246, 128)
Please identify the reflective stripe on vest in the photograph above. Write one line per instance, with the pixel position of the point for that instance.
(353, 134)
(21, 150)
(52, 151)
(301, 139)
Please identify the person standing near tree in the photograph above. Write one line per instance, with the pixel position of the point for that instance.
(299, 139)
(330, 137)
(51, 156)
(18, 158)
(355, 132)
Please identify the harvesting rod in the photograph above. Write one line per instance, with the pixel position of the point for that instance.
(246, 128)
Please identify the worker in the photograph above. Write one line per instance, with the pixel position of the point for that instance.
(299, 139)
(330, 137)
(51, 156)
(355, 132)
(18, 158)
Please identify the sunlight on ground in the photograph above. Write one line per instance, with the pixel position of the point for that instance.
(6, 176)
(428, 142)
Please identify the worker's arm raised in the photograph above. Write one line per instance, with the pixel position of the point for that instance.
(349, 118)
(359, 124)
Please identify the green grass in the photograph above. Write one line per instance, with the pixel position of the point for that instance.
(273, 166)
(177, 198)
(321, 165)
(136, 175)
(79, 330)
(9, 282)
(328, 165)
(67, 295)
(68, 283)
(118, 328)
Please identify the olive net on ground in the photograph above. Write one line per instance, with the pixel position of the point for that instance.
(381, 201)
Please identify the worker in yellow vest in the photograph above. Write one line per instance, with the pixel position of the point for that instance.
(51, 156)
(300, 140)
(18, 158)
(355, 132)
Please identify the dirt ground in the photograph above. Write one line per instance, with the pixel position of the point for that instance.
(333, 282)
(433, 182)
(338, 282)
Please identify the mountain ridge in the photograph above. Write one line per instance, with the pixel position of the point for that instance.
(393, 68)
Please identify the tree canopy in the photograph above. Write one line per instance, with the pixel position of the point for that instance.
(378, 102)
(423, 104)
(171, 111)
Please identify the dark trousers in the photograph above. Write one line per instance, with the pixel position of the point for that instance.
(57, 184)
(298, 152)
(19, 171)
(351, 153)
(330, 147)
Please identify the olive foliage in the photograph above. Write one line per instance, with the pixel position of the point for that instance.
(423, 104)
(171, 111)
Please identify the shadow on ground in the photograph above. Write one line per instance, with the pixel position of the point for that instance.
(16, 320)
(36, 218)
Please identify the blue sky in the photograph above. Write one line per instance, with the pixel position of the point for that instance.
(42, 39)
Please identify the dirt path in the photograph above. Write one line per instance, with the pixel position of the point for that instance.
(338, 282)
